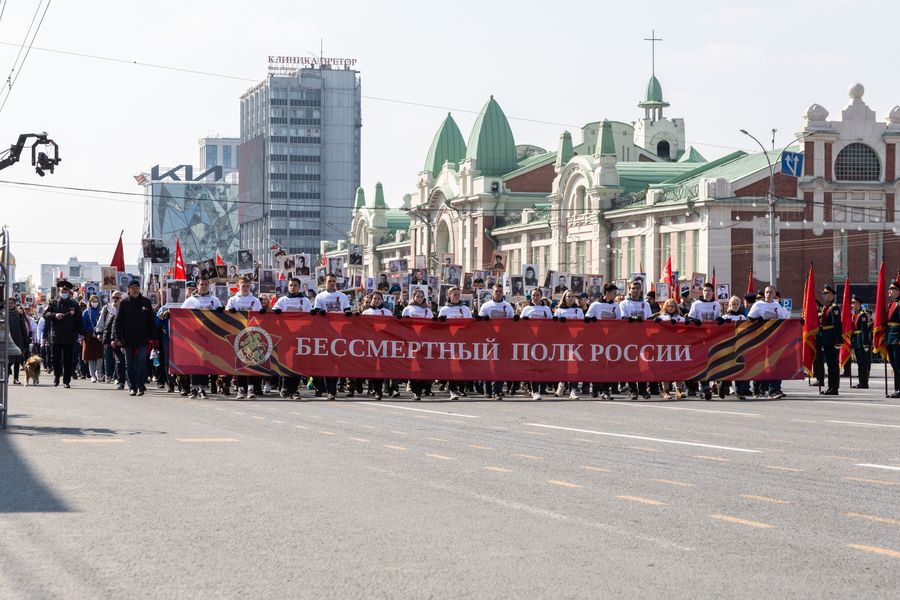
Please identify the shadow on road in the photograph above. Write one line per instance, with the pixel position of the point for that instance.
(20, 488)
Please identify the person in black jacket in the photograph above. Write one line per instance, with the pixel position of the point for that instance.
(18, 331)
(63, 316)
(133, 331)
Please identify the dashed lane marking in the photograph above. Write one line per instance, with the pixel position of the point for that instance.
(640, 500)
(875, 481)
(875, 550)
(673, 482)
(436, 439)
(277, 421)
(645, 438)
(358, 439)
(260, 418)
(368, 427)
(536, 433)
(399, 433)
(564, 484)
(802, 421)
(644, 449)
(789, 469)
(327, 433)
(700, 410)
(587, 441)
(301, 427)
(846, 403)
(764, 499)
(847, 458)
(713, 458)
(596, 469)
(497, 469)
(434, 412)
(92, 441)
(861, 424)
(394, 447)
(739, 521)
(874, 518)
(871, 466)
(440, 457)
(528, 457)
(343, 422)
(207, 440)
(480, 447)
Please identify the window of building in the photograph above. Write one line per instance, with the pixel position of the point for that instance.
(210, 155)
(580, 251)
(617, 257)
(839, 254)
(662, 149)
(226, 156)
(857, 162)
(665, 250)
(579, 200)
(876, 249)
(630, 252)
(682, 253)
(695, 262)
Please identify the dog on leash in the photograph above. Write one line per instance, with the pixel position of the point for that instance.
(33, 370)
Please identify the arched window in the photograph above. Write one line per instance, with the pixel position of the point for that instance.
(662, 149)
(857, 162)
(579, 200)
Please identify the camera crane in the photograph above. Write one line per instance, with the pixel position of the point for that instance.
(40, 160)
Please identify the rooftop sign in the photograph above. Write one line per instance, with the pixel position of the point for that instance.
(287, 64)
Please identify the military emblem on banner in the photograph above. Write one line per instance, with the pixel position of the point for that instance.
(253, 345)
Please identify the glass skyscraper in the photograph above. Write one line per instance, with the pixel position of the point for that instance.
(299, 160)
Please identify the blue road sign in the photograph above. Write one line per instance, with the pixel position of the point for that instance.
(792, 163)
(787, 303)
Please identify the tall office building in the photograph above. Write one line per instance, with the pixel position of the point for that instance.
(300, 159)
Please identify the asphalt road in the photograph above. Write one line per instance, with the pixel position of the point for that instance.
(108, 496)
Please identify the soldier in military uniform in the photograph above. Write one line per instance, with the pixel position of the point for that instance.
(892, 339)
(829, 339)
(861, 342)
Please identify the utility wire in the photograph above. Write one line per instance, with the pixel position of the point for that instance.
(18, 71)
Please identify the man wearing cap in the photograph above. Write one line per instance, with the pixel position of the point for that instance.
(861, 342)
(830, 340)
(64, 317)
(892, 339)
(133, 331)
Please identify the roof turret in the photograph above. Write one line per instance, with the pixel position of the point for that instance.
(654, 96)
(360, 199)
(379, 196)
(565, 153)
(607, 145)
(491, 142)
(447, 146)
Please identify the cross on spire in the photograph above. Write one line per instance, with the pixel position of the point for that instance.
(653, 39)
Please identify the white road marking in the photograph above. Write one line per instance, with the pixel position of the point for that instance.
(871, 466)
(702, 410)
(645, 438)
(858, 424)
(845, 403)
(434, 412)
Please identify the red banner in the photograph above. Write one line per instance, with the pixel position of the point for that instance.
(334, 345)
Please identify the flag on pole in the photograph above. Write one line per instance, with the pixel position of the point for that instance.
(750, 280)
(141, 179)
(713, 282)
(846, 324)
(668, 277)
(179, 262)
(879, 320)
(118, 259)
(810, 322)
(219, 261)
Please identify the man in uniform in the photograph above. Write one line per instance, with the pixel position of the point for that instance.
(64, 318)
(892, 339)
(861, 343)
(829, 339)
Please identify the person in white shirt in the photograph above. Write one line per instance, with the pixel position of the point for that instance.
(734, 312)
(568, 309)
(670, 313)
(768, 309)
(293, 302)
(377, 309)
(707, 308)
(454, 309)
(605, 309)
(202, 299)
(496, 308)
(635, 309)
(244, 301)
(417, 309)
(536, 309)
(330, 301)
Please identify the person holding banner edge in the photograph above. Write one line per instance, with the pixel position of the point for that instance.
(892, 339)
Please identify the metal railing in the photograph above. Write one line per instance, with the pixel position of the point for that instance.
(5, 283)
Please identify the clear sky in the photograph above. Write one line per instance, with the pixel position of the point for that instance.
(551, 66)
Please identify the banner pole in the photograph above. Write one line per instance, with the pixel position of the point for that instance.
(885, 376)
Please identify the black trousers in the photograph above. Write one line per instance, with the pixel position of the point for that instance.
(894, 357)
(830, 356)
(63, 361)
(863, 365)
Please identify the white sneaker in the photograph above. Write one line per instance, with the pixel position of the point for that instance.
(454, 396)
(239, 395)
(535, 396)
(560, 390)
(93, 380)
(573, 395)
(250, 395)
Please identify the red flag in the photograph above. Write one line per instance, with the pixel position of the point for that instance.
(179, 262)
(750, 281)
(118, 259)
(324, 260)
(667, 275)
(810, 322)
(219, 261)
(880, 319)
(713, 282)
(141, 179)
(846, 324)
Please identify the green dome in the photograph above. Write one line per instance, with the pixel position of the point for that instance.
(447, 146)
(491, 142)
(654, 95)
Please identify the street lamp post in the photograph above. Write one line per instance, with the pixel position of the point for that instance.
(773, 267)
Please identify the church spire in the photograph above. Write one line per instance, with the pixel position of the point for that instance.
(653, 102)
